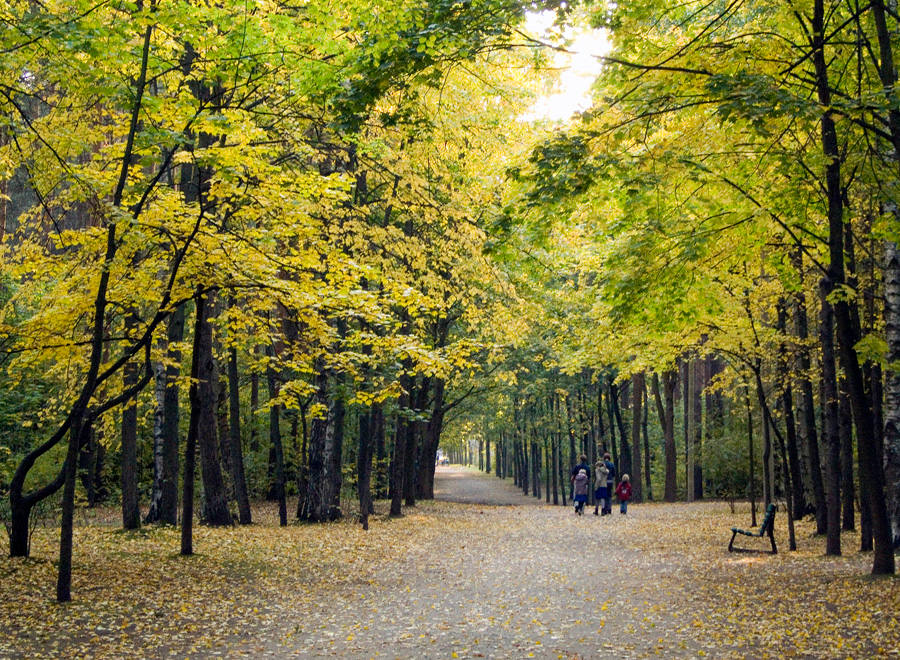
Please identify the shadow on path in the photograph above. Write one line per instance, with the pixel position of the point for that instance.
(454, 483)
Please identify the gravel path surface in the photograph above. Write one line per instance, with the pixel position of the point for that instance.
(459, 484)
(508, 577)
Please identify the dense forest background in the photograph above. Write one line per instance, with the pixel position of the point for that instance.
(306, 246)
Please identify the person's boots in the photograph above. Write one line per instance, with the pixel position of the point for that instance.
(596, 513)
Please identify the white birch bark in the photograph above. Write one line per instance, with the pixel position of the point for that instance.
(892, 387)
(159, 371)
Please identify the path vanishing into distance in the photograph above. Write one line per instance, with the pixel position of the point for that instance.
(482, 571)
(503, 576)
(469, 486)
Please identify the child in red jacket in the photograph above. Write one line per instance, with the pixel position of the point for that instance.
(623, 492)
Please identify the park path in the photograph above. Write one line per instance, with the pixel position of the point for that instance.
(454, 483)
(503, 576)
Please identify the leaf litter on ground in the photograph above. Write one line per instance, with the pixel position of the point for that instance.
(452, 580)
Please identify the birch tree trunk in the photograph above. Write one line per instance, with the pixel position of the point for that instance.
(892, 387)
(159, 418)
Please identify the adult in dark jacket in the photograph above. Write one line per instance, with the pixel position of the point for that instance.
(582, 465)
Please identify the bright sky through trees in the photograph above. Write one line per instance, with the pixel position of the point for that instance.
(579, 66)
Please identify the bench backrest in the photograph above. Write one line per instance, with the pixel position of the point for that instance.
(769, 520)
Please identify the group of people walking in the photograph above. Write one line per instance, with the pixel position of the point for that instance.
(604, 479)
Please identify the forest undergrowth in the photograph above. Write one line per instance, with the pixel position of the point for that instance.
(451, 580)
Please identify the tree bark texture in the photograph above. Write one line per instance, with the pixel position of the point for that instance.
(433, 430)
(665, 408)
(168, 505)
(637, 389)
(238, 477)
(808, 436)
(800, 507)
(892, 387)
(215, 501)
(275, 440)
(318, 503)
(831, 429)
(131, 511)
(159, 380)
(700, 381)
(888, 75)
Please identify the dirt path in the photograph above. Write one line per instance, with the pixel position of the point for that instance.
(504, 577)
(492, 573)
(453, 483)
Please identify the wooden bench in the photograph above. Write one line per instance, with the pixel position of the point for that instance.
(767, 528)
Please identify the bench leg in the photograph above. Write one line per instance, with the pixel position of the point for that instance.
(731, 543)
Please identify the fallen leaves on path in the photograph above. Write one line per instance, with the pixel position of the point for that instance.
(453, 580)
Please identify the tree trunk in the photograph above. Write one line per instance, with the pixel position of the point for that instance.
(888, 75)
(666, 411)
(223, 432)
(800, 507)
(433, 437)
(168, 503)
(215, 509)
(697, 426)
(554, 468)
(234, 441)
(871, 470)
(644, 420)
(751, 459)
(190, 450)
(254, 406)
(131, 510)
(892, 387)
(414, 442)
(637, 391)
(337, 413)
(364, 464)
(769, 423)
(318, 503)
(64, 575)
(768, 485)
(89, 460)
(809, 437)
(601, 430)
(831, 429)
(275, 438)
(623, 464)
(690, 421)
(159, 379)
